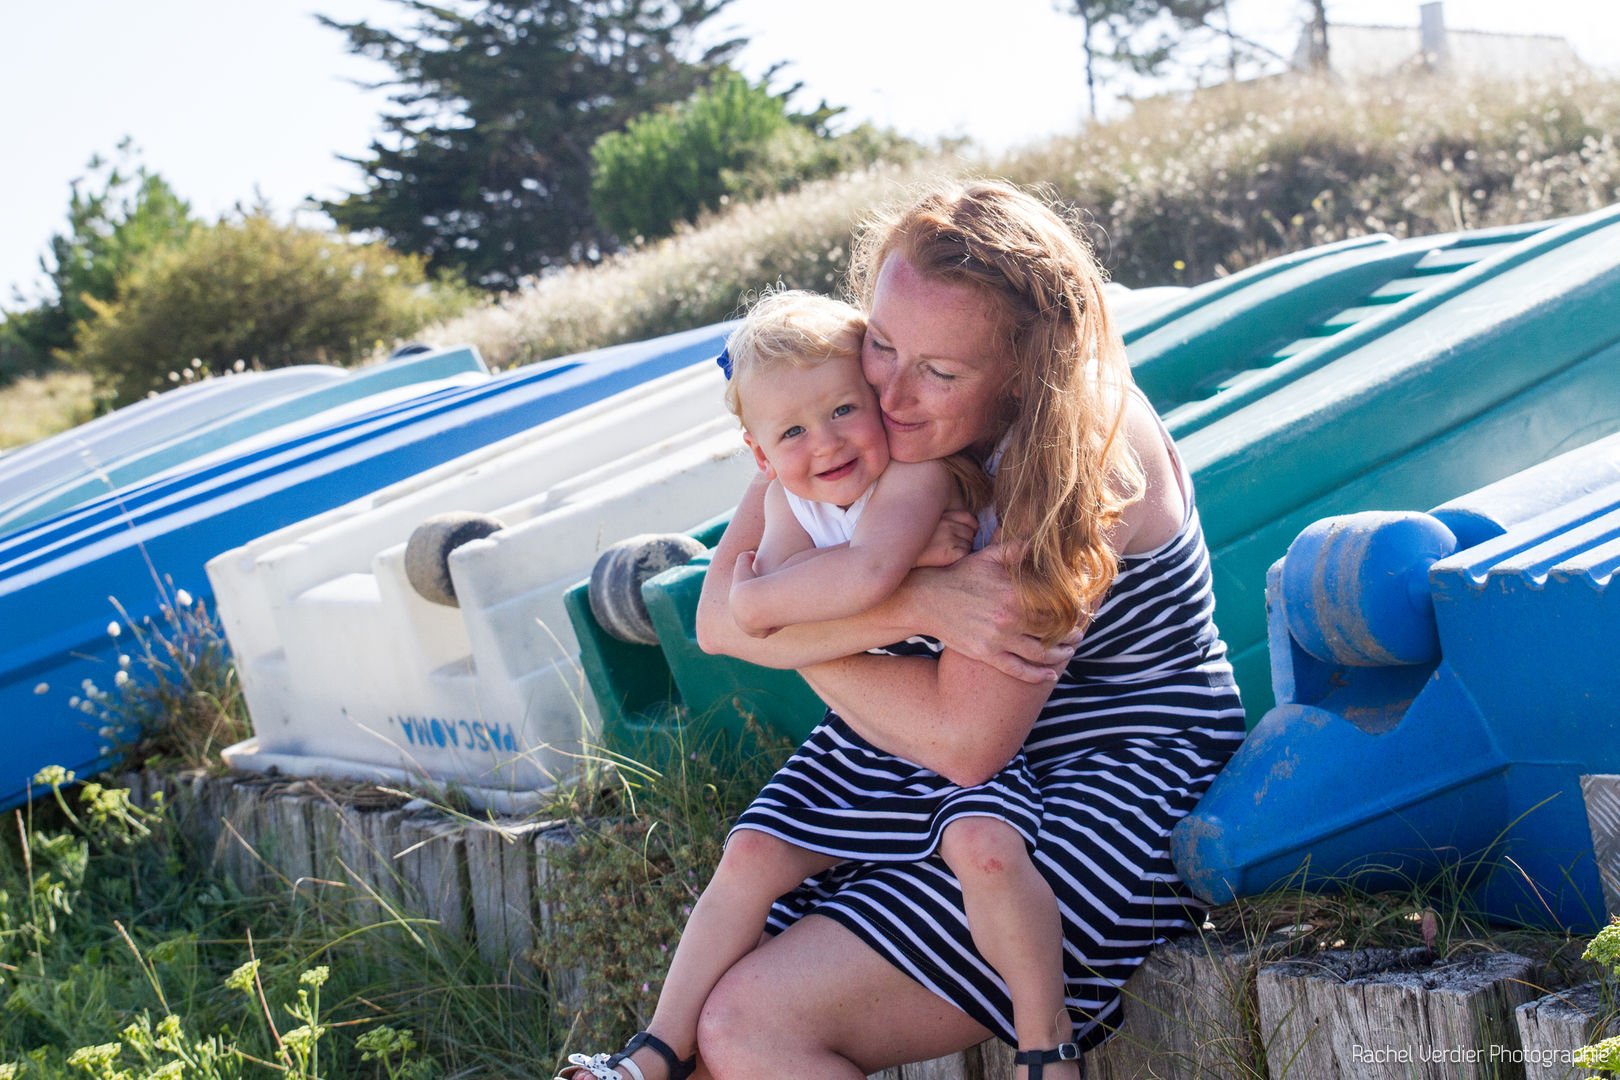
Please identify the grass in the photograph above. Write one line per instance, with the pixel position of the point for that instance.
(115, 936)
(1183, 190)
(120, 955)
(642, 849)
(125, 950)
(39, 405)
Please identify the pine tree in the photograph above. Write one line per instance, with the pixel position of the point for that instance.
(486, 164)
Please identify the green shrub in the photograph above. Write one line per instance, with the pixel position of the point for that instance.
(1184, 190)
(255, 291)
(117, 213)
(729, 141)
(670, 164)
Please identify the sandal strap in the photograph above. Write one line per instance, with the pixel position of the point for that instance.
(678, 1069)
(1037, 1059)
(594, 1065)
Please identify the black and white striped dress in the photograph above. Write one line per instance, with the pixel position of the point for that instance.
(1141, 721)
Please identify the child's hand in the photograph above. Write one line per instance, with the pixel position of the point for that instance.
(952, 539)
(749, 621)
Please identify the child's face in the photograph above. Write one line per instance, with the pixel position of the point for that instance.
(817, 430)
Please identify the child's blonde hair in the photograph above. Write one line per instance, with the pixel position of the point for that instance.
(792, 328)
(795, 328)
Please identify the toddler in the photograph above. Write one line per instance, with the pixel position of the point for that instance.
(843, 526)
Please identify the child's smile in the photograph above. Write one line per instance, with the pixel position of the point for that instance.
(817, 429)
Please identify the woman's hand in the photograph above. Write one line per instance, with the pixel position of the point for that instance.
(971, 607)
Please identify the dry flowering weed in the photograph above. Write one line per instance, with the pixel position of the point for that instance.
(1185, 189)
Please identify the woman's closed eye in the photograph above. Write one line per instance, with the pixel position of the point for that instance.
(942, 376)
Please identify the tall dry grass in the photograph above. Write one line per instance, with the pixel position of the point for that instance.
(1193, 187)
(39, 405)
(701, 275)
(1185, 189)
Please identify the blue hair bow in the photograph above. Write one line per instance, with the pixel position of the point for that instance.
(724, 360)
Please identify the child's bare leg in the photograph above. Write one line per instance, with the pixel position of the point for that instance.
(725, 925)
(1013, 917)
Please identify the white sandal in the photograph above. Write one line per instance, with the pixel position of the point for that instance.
(602, 1066)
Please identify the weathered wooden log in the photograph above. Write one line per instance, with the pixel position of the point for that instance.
(1552, 1028)
(1387, 1013)
(367, 844)
(433, 862)
(566, 985)
(248, 847)
(990, 1060)
(1189, 1012)
(287, 816)
(328, 881)
(501, 872)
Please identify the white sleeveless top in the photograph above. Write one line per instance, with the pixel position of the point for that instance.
(827, 523)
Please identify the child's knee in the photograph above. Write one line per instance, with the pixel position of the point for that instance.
(982, 847)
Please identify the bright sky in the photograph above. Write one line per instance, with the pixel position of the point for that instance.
(229, 101)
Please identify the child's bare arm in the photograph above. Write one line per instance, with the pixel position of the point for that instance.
(896, 527)
(784, 539)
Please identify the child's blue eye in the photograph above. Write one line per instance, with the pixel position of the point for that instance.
(843, 410)
(792, 431)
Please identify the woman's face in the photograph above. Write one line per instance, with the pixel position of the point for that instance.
(931, 354)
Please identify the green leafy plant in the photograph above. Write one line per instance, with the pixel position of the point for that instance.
(391, 1049)
(730, 140)
(642, 850)
(118, 213)
(253, 290)
(1605, 951)
(121, 957)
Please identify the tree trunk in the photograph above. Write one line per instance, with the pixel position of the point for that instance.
(1319, 41)
(1084, 8)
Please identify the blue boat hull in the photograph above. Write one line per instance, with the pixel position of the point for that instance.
(60, 577)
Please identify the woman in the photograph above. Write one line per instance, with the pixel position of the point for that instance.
(988, 333)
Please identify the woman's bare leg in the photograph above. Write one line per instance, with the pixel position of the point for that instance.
(1013, 917)
(815, 1003)
(725, 924)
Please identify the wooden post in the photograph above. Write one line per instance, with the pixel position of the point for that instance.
(1552, 1028)
(565, 984)
(1189, 1012)
(500, 870)
(433, 862)
(288, 817)
(1385, 1013)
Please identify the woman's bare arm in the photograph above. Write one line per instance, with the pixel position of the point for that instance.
(961, 718)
